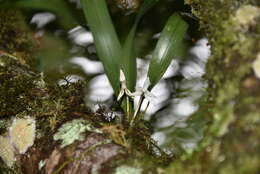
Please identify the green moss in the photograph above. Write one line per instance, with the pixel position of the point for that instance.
(16, 46)
(232, 136)
(2, 124)
(234, 49)
(24, 92)
(13, 39)
(15, 87)
(231, 143)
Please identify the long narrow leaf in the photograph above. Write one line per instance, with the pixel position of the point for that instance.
(167, 47)
(128, 61)
(128, 55)
(105, 37)
(146, 5)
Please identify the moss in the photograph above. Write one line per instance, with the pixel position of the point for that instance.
(14, 86)
(231, 142)
(233, 114)
(25, 92)
(117, 134)
(15, 40)
(16, 46)
(234, 50)
(2, 125)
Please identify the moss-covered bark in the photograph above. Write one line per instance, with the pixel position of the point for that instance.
(24, 93)
(232, 139)
(67, 136)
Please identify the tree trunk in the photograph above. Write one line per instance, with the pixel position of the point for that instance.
(232, 138)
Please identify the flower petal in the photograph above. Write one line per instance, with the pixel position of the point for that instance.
(122, 76)
(146, 84)
(121, 93)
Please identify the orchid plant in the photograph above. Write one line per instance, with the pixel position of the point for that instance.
(119, 59)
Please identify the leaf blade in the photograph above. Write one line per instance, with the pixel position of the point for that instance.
(167, 47)
(128, 62)
(105, 37)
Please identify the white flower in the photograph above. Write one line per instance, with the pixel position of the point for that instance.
(144, 90)
(139, 91)
(123, 89)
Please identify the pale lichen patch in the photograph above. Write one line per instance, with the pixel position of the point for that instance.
(256, 66)
(127, 170)
(72, 131)
(246, 15)
(7, 151)
(22, 133)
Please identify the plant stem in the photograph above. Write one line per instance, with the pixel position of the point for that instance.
(127, 108)
(146, 107)
(8, 55)
(140, 102)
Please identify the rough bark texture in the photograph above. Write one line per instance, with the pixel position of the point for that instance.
(231, 144)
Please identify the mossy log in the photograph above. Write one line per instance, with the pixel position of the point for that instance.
(231, 144)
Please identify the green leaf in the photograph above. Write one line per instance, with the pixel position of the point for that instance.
(128, 62)
(105, 38)
(129, 55)
(146, 5)
(167, 48)
(59, 7)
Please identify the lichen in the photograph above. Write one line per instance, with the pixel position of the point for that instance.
(247, 14)
(127, 170)
(232, 134)
(22, 133)
(7, 151)
(256, 66)
(73, 130)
